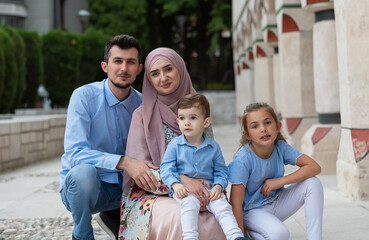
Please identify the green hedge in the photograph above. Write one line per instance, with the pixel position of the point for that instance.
(93, 44)
(34, 67)
(2, 67)
(62, 53)
(10, 75)
(60, 60)
(20, 54)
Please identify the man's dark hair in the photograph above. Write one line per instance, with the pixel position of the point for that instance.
(123, 42)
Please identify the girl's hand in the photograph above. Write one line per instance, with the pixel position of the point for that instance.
(271, 184)
(179, 190)
(308, 168)
(195, 186)
(216, 193)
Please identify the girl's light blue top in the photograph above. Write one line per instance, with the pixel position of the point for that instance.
(251, 171)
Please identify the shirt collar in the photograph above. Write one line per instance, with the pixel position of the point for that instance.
(112, 100)
(206, 142)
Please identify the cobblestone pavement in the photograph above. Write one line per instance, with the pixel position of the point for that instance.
(31, 207)
(43, 229)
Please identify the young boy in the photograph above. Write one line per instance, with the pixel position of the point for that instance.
(197, 156)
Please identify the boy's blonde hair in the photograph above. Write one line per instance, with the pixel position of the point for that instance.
(195, 100)
(252, 108)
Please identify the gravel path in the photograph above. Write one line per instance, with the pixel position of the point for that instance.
(43, 229)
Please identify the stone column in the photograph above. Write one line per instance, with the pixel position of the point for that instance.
(277, 82)
(244, 85)
(321, 141)
(248, 76)
(352, 26)
(263, 61)
(270, 36)
(296, 69)
(238, 85)
(263, 73)
(245, 73)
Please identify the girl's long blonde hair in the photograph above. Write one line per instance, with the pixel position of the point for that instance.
(252, 108)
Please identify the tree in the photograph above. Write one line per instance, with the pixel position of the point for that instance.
(115, 17)
(206, 19)
(154, 24)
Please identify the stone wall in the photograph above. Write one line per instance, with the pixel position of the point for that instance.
(222, 106)
(321, 85)
(28, 139)
(35, 136)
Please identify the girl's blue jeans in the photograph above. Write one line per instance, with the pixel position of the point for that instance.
(84, 194)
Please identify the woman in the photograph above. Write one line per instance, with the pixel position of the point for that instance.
(153, 125)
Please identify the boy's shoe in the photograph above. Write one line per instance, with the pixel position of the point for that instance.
(109, 222)
(73, 238)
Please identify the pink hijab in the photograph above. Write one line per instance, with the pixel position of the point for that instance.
(162, 109)
(146, 139)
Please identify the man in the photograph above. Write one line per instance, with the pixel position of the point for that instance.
(98, 120)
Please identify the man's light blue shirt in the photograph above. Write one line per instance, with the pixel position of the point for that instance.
(183, 158)
(248, 169)
(97, 129)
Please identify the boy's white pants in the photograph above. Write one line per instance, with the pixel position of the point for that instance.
(266, 222)
(222, 210)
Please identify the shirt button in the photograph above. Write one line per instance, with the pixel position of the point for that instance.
(196, 163)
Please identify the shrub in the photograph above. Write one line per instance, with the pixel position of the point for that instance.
(10, 74)
(20, 55)
(93, 43)
(2, 69)
(61, 57)
(34, 67)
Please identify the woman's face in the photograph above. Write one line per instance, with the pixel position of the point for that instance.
(164, 77)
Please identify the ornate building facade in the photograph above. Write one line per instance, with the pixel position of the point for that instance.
(309, 60)
(42, 15)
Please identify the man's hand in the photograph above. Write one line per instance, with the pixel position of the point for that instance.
(195, 187)
(216, 193)
(139, 171)
(179, 190)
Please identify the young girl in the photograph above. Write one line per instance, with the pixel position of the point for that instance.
(259, 200)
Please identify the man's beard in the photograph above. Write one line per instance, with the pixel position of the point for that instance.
(119, 85)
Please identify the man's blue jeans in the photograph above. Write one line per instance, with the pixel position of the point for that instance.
(84, 194)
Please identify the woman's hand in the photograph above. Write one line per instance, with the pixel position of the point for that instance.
(195, 187)
(139, 171)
